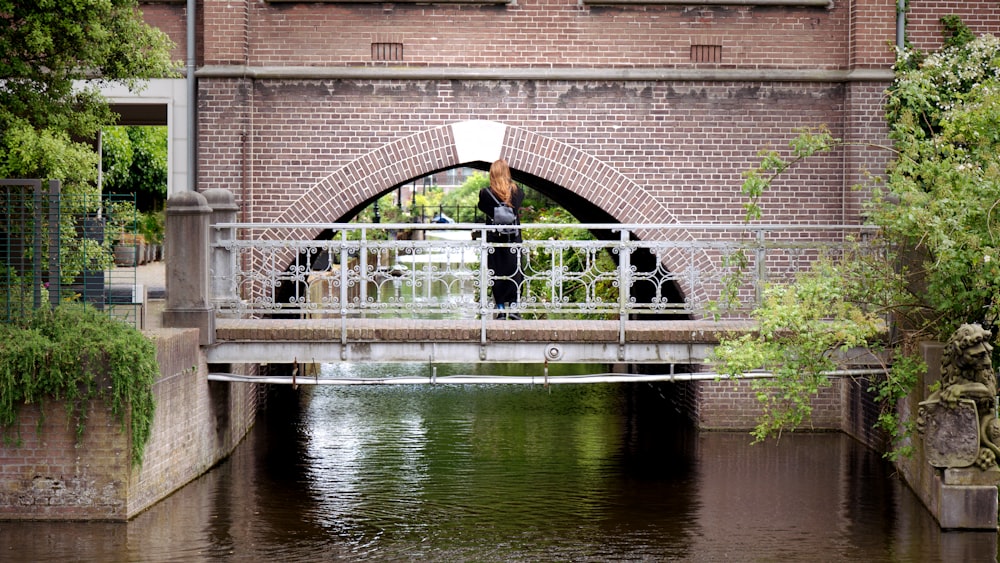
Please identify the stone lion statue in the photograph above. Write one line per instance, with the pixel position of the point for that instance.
(967, 373)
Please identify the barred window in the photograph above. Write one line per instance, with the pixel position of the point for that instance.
(387, 51)
(706, 53)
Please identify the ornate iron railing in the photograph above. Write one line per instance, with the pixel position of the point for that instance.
(435, 270)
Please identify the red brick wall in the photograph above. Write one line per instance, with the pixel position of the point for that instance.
(846, 405)
(923, 19)
(679, 145)
(677, 149)
(52, 476)
(872, 33)
(733, 405)
(561, 33)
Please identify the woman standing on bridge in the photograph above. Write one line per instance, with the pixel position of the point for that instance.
(505, 262)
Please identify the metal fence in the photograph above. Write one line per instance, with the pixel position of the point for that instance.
(608, 271)
(57, 248)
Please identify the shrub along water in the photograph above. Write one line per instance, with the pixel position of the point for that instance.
(74, 354)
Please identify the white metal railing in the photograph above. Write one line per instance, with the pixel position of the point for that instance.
(435, 270)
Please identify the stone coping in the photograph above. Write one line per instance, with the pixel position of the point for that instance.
(452, 330)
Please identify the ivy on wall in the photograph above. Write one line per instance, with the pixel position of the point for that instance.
(76, 354)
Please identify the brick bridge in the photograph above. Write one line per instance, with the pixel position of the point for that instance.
(622, 111)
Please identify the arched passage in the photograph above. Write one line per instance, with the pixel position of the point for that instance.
(588, 183)
(476, 144)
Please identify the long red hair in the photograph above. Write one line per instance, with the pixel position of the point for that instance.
(500, 181)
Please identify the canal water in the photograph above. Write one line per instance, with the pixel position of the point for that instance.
(509, 473)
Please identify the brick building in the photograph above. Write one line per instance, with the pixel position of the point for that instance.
(620, 110)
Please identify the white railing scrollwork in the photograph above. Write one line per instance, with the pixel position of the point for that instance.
(436, 270)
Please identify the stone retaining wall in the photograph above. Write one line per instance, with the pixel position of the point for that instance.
(52, 475)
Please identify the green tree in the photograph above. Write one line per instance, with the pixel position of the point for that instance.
(134, 160)
(54, 55)
(463, 200)
(938, 217)
(47, 49)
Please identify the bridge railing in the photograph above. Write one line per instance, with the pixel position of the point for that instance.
(437, 270)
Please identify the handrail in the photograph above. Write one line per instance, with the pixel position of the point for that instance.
(628, 271)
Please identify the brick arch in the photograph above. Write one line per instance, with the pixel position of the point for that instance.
(479, 141)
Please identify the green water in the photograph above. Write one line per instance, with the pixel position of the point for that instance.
(515, 473)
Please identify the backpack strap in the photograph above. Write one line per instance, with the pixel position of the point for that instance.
(493, 195)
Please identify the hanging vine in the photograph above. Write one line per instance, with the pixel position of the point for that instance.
(76, 354)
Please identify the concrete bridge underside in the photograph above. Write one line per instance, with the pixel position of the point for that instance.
(466, 341)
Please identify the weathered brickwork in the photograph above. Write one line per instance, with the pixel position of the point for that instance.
(53, 476)
(674, 152)
(845, 406)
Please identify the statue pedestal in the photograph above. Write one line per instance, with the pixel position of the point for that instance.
(972, 476)
(962, 496)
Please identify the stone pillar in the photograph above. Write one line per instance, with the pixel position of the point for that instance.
(221, 284)
(187, 266)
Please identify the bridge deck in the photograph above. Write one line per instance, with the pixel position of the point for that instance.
(460, 341)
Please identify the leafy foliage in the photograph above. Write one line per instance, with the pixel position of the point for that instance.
(464, 200)
(802, 326)
(54, 55)
(938, 216)
(75, 353)
(135, 162)
(47, 45)
(582, 270)
(942, 194)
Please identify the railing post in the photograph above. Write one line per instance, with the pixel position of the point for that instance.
(484, 280)
(55, 268)
(221, 283)
(624, 287)
(186, 256)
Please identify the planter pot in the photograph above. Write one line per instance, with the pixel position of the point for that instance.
(127, 255)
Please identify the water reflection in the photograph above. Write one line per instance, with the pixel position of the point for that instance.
(514, 473)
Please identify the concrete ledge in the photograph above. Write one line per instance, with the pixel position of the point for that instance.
(400, 340)
(968, 507)
(566, 74)
(452, 330)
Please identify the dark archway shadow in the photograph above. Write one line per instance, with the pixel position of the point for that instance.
(582, 209)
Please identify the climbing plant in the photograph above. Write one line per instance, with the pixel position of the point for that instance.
(938, 213)
(74, 354)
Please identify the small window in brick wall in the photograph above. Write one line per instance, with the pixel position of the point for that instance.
(387, 51)
(706, 53)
